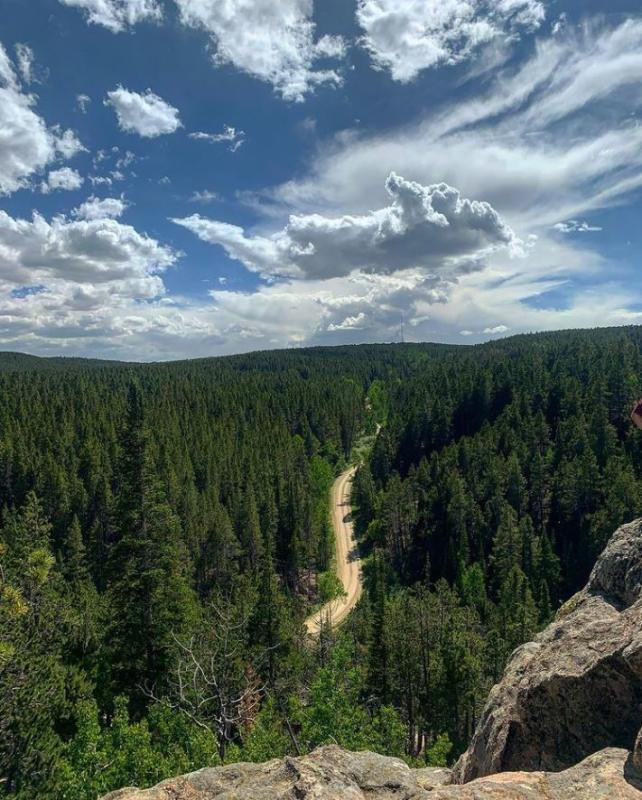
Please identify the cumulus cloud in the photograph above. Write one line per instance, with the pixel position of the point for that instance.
(576, 226)
(65, 179)
(233, 138)
(424, 226)
(87, 251)
(117, 15)
(146, 114)
(272, 41)
(27, 144)
(495, 329)
(67, 144)
(88, 284)
(407, 36)
(101, 208)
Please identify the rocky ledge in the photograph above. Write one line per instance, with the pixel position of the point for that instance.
(330, 773)
(561, 723)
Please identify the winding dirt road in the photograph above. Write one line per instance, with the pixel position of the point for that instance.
(348, 563)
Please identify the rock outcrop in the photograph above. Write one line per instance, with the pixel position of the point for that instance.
(578, 687)
(330, 773)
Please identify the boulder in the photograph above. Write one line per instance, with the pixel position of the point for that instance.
(330, 773)
(577, 688)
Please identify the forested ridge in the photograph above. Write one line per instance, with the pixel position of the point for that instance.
(165, 531)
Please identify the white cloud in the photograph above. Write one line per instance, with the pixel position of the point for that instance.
(101, 208)
(25, 59)
(100, 180)
(407, 36)
(94, 286)
(83, 102)
(366, 307)
(229, 135)
(330, 47)
(551, 139)
(65, 178)
(146, 114)
(560, 23)
(67, 143)
(328, 311)
(27, 144)
(273, 41)
(205, 196)
(576, 226)
(117, 15)
(84, 251)
(431, 227)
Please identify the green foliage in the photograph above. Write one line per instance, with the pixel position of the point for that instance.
(265, 738)
(437, 755)
(330, 587)
(126, 753)
(377, 403)
(335, 715)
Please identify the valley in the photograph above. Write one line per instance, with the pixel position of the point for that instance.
(170, 532)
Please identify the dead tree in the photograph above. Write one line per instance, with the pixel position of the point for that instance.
(212, 684)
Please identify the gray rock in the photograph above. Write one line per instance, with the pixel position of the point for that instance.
(578, 687)
(330, 773)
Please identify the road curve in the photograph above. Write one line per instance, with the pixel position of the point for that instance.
(348, 563)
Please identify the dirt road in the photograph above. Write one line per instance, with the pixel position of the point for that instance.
(348, 563)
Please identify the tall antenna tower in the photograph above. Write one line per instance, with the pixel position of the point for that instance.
(401, 329)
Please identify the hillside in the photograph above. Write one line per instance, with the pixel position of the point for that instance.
(166, 529)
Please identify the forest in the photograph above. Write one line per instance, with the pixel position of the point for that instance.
(165, 532)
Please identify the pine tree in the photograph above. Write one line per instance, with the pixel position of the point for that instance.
(149, 599)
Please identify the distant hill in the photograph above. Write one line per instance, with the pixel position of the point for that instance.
(283, 359)
(21, 362)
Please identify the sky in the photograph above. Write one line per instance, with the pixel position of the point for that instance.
(187, 178)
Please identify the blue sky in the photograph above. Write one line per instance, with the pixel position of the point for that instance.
(196, 177)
